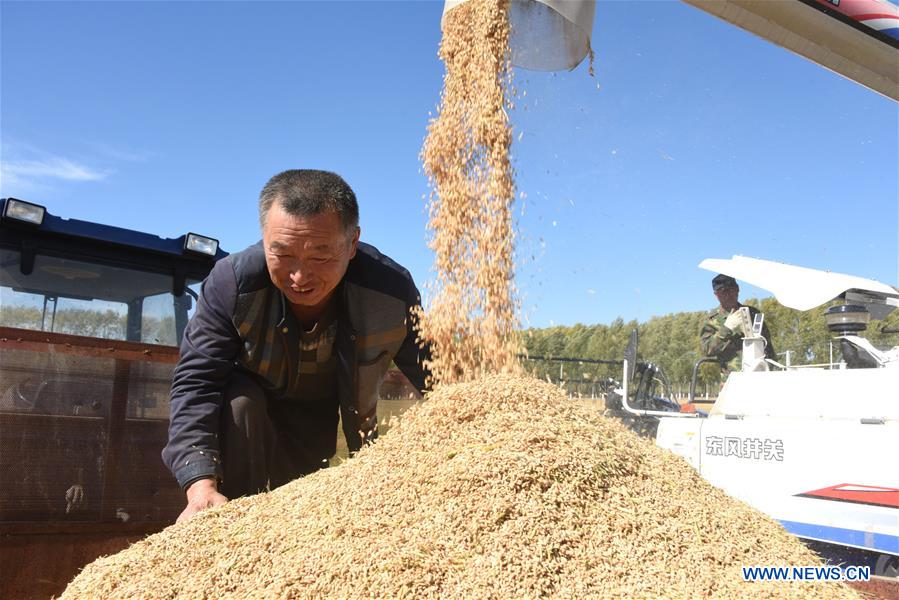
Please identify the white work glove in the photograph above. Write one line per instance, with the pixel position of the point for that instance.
(734, 322)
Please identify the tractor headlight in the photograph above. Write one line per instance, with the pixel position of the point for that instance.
(201, 244)
(24, 212)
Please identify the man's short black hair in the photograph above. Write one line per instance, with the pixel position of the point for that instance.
(306, 192)
(720, 282)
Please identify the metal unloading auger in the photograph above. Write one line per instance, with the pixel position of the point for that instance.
(547, 35)
(858, 40)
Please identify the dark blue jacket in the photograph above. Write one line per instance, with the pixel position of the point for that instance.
(243, 323)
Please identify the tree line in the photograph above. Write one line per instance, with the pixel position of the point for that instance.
(107, 324)
(672, 342)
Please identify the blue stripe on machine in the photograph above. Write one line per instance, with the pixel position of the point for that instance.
(881, 542)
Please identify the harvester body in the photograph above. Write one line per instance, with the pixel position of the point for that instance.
(815, 447)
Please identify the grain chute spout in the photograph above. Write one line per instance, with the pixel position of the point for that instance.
(547, 35)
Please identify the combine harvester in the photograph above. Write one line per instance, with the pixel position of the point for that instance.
(814, 447)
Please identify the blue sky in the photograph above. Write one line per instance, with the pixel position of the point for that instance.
(695, 139)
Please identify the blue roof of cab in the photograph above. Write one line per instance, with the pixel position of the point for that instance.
(116, 235)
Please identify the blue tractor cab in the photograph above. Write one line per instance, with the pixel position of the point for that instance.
(91, 317)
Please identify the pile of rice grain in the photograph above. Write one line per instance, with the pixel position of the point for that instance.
(471, 319)
(499, 488)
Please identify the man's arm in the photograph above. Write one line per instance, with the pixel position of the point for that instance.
(412, 354)
(208, 350)
(706, 339)
(716, 341)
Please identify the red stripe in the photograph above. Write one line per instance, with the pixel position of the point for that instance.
(874, 495)
(855, 10)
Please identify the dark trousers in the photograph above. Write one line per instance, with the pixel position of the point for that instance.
(269, 441)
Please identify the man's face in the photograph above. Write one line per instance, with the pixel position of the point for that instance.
(307, 256)
(727, 296)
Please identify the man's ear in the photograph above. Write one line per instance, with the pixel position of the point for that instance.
(355, 242)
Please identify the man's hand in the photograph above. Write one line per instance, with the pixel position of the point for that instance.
(734, 322)
(201, 494)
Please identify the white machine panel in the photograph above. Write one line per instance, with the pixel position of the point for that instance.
(835, 477)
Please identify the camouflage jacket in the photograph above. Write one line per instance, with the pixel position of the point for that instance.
(726, 345)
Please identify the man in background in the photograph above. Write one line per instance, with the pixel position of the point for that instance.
(722, 334)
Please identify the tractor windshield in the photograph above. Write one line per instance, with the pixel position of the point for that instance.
(92, 299)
